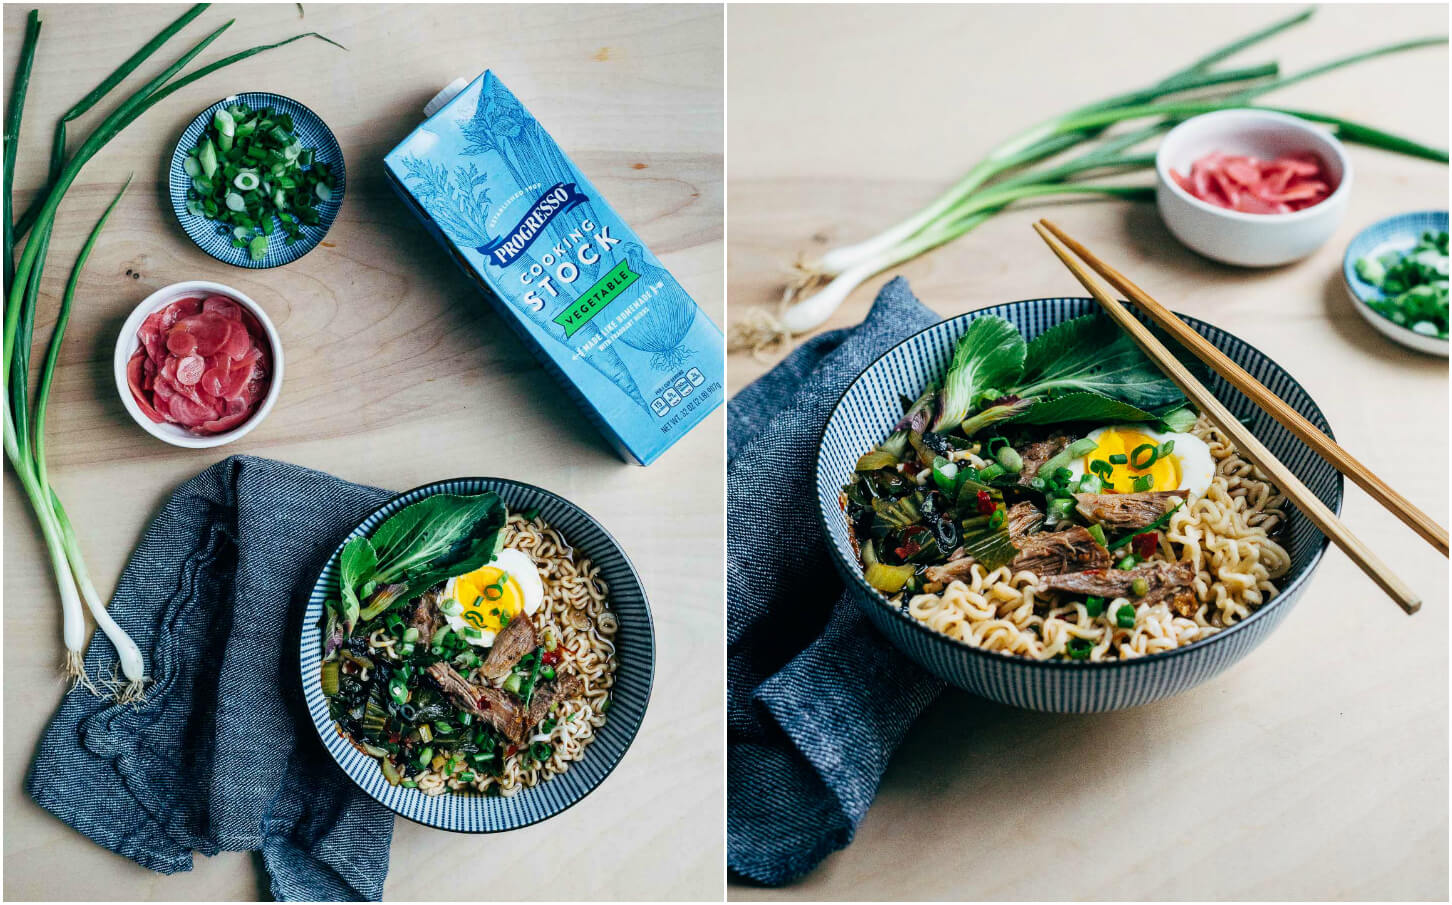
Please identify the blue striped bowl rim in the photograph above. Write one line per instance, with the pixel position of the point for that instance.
(634, 674)
(1396, 228)
(1043, 313)
(311, 131)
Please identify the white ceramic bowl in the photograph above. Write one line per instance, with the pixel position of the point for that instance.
(1233, 237)
(128, 341)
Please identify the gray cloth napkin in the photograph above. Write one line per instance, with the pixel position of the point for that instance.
(817, 700)
(221, 756)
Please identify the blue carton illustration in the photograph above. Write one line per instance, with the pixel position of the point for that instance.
(630, 346)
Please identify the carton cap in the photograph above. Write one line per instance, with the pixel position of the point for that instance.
(443, 97)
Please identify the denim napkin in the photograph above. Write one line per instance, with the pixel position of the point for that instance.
(221, 756)
(817, 700)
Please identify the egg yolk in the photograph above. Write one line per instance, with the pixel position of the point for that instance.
(1164, 471)
(490, 598)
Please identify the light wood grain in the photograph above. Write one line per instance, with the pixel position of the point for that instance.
(1317, 512)
(397, 374)
(1239, 378)
(1317, 767)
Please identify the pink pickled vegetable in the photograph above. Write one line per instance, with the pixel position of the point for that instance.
(1254, 186)
(202, 364)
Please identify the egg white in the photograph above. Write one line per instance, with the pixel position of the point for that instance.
(1197, 465)
(520, 569)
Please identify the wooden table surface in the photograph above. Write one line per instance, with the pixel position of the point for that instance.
(1317, 768)
(397, 374)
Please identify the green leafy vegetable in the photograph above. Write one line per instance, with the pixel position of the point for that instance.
(914, 419)
(1091, 354)
(1082, 406)
(990, 354)
(425, 543)
(1003, 411)
(988, 543)
(1179, 420)
(356, 566)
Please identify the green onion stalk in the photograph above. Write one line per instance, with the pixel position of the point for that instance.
(1008, 175)
(24, 420)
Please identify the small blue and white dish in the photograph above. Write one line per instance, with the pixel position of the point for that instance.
(216, 238)
(634, 674)
(872, 405)
(1397, 233)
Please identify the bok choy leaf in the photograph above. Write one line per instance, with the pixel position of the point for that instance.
(1090, 354)
(1082, 407)
(989, 545)
(419, 546)
(990, 354)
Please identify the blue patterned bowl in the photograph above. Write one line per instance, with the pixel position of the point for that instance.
(470, 813)
(872, 405)
(215, 238)
(1397, 233)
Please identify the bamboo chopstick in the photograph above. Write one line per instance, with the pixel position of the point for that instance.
(1251, 448)
(1288, 417)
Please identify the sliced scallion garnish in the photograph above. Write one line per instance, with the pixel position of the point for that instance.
(252, 173)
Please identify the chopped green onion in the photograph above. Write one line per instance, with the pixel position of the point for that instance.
(1139, 587)
(1094, 606)
(1144, 482)
(1059, 462)
(1124, 616)
(991, 472)
(1143, 456)
(1119, 459)
(1090, 483)
(999, 516)
(1129, 562)
(466, 776)
(1061, 508)
(1097, 532)
(1010, 459)
(207, 156)
(945, 473)
(1079, 648)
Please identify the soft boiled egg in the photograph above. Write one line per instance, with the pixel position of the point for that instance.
(488, 598)
(1133, 451)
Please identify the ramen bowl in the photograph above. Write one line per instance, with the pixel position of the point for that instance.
(868, 411)
(470, 812)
